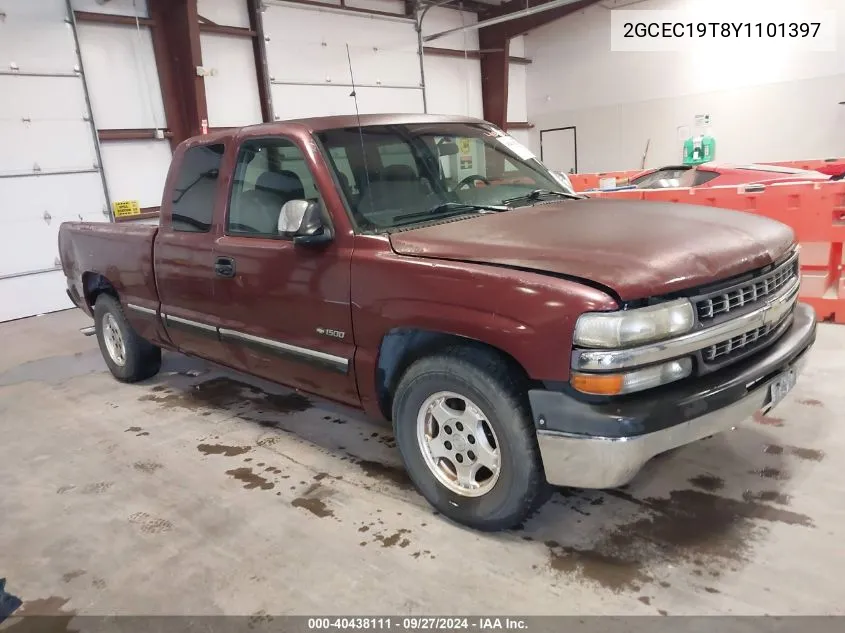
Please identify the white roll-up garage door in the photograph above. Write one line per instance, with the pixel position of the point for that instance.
(309, 63)
(49, 169)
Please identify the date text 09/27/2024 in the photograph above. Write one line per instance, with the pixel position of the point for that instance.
(418, 623)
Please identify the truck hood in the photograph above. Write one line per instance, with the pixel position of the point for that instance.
(637, 249)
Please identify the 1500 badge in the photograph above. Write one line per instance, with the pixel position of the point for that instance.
(332, 333)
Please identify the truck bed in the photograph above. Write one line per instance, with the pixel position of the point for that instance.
(121, 253)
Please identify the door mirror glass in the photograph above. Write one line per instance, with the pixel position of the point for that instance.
(303, 220)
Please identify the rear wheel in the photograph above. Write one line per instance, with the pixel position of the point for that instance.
(463, 427)
(129, 357)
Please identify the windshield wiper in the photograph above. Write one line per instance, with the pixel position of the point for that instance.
(451, 206)
(538, 194)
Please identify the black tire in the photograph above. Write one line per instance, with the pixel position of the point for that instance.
(142, 358)
(487, 380)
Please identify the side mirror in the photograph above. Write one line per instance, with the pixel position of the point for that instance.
(303, 220)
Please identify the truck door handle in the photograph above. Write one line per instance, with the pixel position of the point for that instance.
(224, 267)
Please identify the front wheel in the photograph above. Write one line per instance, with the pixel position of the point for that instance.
(465, 433)
(129, 357)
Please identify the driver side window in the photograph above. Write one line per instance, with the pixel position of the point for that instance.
(268, 174)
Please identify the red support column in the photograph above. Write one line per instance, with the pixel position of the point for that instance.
(176, 43)
(494, 75)
(496, 39)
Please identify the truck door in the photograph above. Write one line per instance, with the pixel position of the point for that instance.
(283, 308)
(184, 251)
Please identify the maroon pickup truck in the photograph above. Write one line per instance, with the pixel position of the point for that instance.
(432, 272)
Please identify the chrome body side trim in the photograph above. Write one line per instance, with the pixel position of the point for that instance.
(169, 318)
(337, 363)
(142, 309)
(768, 314)
(328, 361)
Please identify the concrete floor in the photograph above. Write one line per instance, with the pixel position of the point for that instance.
(195, 493)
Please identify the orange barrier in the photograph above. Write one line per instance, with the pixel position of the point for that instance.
(583, 182)
(814, 211)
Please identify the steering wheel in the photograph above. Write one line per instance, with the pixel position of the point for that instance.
(466, 182)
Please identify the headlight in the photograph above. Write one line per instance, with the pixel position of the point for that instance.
(631, 327)
(637, 380)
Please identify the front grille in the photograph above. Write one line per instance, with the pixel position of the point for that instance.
(739, 345)
(748, 293)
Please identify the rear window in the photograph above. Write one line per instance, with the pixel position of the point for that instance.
(193, 196)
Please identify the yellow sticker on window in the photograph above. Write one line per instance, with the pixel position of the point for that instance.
(125, 208)
(463, 145)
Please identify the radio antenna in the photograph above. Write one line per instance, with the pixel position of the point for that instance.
(354, 95)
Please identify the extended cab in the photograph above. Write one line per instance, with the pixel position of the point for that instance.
(432, 272)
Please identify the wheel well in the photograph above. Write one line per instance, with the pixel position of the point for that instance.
(402, 346)
(93, 285)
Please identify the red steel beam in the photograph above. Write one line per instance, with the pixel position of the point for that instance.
(176, 43)
(222, 29)
(436, 51)
(259, 50)
(496, 40)
(135, 134)
(108, 18)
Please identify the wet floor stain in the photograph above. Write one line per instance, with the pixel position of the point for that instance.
(315, 506)
(222, 449)
(149, 524)
(811, 402)
(767, 420)
(133, 429)
(711, 590)
(610, 570)
(76, 573)
(710, 483)
(806, 453)
(148, 467)
(397, 538)
(97, 488)
(63, 489)
(645, 600)
(796, 451)
(250, 479)
(690, 526)
(770, 473)
(767, 496)
(395, 475)
(223, 392)
(98, 583)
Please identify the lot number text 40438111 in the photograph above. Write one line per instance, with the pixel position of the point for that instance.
(418, 623)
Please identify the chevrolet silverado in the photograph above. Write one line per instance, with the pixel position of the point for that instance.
(432, 272)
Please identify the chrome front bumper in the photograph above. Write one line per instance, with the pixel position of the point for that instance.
(585, 460)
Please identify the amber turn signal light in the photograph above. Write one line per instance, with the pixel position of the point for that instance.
(599, 384)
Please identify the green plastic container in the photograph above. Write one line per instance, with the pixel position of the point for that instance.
(699, 149)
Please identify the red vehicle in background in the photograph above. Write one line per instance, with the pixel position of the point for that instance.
(716, 175)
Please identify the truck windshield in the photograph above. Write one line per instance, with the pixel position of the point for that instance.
(400, 175)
